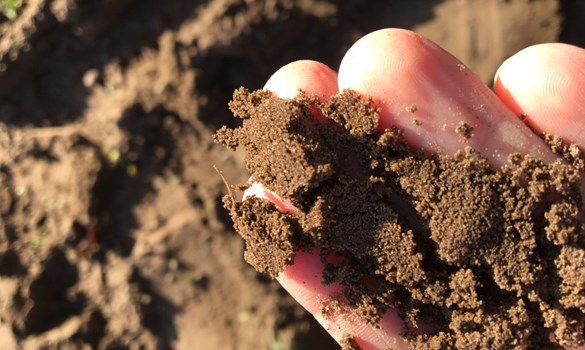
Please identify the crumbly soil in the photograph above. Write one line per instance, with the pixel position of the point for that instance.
(494, 258)
(112, 231)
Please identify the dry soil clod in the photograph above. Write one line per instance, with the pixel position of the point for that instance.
(492, 256)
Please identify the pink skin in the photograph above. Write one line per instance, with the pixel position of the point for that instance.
(399, 68)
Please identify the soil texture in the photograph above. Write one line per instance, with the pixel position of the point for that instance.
(494, 258)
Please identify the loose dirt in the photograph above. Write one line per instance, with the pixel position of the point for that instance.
(493, 257)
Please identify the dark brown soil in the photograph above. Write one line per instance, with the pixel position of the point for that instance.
(112, 231)
(493, 257)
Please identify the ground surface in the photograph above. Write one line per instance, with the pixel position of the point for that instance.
(112, 233)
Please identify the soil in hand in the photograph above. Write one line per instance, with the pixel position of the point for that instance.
(493, 256)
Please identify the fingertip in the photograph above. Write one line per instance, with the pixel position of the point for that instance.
(427, 93)
(311, 77)
(546, 83)
(386, 50)
(370, 55)
(398, 67)
(372, 64)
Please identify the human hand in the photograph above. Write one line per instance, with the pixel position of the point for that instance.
(398, 68)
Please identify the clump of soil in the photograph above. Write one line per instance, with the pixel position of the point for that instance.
(494, 257)
(464, 130)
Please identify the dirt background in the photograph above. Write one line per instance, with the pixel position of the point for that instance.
(112, 234)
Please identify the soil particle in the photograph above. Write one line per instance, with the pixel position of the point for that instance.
(464, 130)
(493, 257)
(330, 308)
(569, 152)
(348, 343)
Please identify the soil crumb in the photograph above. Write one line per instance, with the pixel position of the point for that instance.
(494, 257)
(464, 130)
(569, 152)
(348, 343)
(410, 108)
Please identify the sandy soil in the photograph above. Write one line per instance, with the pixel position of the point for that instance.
(112, 233)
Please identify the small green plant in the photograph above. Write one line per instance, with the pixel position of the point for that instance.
(132, 170)
(20, 190)
(113, 156)
(243, 317)
(37, 241)
(10, 8)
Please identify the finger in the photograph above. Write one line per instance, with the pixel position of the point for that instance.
(546, 83)
(314, 78)
(428, 93)
(303, 281)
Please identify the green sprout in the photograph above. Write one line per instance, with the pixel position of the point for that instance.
(113, 155)
(243, 316)
(20, 190)
(10, 8)
(173, 264)
(132, 170)
(175, 178)
(37, 241)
